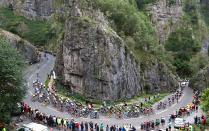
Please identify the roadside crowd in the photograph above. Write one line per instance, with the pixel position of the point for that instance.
(66, 124)
(72, 125)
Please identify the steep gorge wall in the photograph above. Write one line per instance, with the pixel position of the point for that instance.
(205, 2)
(201, 80)
(29, 52)
(165, 15)
(30, 8)
(95, 62)
(38, 9)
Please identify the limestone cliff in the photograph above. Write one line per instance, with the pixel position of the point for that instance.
(205, 2)
(30, 8)
(26, 49)
(38, 9)
(201, 80)
(95, 62)
(205, 46)
(165, 15)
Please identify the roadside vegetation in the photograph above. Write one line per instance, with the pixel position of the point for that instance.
(200, 127)
(205, 100)
(12, 89)
(66, 93)
(142, 3)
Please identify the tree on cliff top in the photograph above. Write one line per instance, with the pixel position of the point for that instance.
(11, 80)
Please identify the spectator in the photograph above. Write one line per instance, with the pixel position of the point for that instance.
(82, 126)
(203, 120)
(195, 120)
(86, 126)
(91, 126)
(107, 128)
(77, 126)
(101, 127)
(73, 125)
(169, 126)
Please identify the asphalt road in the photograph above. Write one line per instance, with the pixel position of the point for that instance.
(44, 68)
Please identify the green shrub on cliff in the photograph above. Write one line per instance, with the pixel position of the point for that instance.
(38, 32)
(205, 100)
(186, 41)
(141, 3)
(127, 21)
(184, 46)
(11, 80)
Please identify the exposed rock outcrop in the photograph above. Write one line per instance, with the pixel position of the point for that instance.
(205, 45)
(165, 14)
(201, 80)
(157, 77)
(26, 49)
(204, 3)
(30, 8)
(95, 62)
(38, 9)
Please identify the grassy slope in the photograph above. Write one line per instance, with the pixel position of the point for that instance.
(64, 92)
(40, 33)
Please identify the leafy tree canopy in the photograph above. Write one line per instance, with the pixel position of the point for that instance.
(11, 80)
(205, 100)
(128, 21)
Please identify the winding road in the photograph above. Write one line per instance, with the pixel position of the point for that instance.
(44, 68)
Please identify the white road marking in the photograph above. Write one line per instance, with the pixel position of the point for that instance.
(181, 97)
(161, 112)
(44, 66)
(30, 77)
(30, 92)
(52, 109)
(174, 105)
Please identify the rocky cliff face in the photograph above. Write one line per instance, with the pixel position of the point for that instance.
(156, 77)
(30, 8)
(24, 47)
(95, 62)
(205, 47)
(205, 2)
(38, 9)
(165, 14)
(201, 80)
